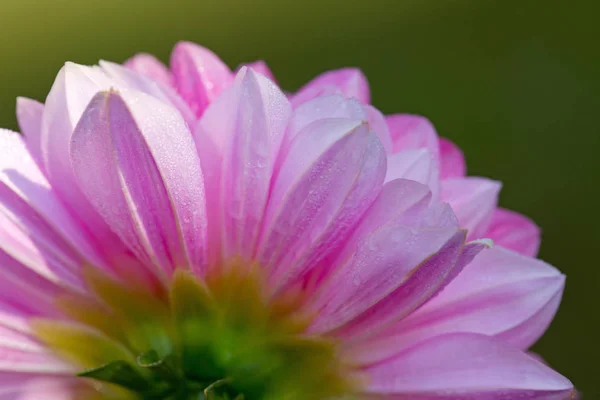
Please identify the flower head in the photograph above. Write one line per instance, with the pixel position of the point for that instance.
(195, 233)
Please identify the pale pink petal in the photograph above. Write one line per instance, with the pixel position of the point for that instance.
(211, 159)
(213, 135)
(262, 68)
(136, 161)
(412, 132)
(127, 79)
(38, 256)
(23, 295)
(526, 334)
(29, 386)
(332, 173)
(22, 356)
(500, 268)
(333, 238)
(34, 217)
(331, 106)
(418, 165)
(389, 265)
(16, 318)
(150, 66)
(29, 115)
(18, 360)
(251, 102)
(259, 114)
(19, 339)
(469, 251)
(396, 200)
(315, 92)
(351, 82)
(73, 89)
(473, 200)
(500, 293)
(465, 366)
(200, 75)
(514, 231)
(25, 356)
(452, 160)
(425, 283)
(378, 125)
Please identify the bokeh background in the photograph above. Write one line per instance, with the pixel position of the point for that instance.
(516, 83)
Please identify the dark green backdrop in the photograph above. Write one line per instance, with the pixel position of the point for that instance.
(515, 83)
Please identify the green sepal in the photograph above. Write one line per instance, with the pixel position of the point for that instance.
(194, 316)
(166, 369)
(119, 373)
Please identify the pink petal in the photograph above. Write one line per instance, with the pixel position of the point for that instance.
(395, 199)
(500, 269)
(25, 356)
(452, 160)
(379, 126)
(30, 292)
(437, 271)
(26, 386)
(417, 165)
(259, 113)
(315, 92)
(262, 68)
(200, 76)
(213, 136)
(351, 82)
(16, 318)
(35, 261)
(150, 66)
(136, 161)
(128, 79)
(500, 293)
(385, 276)
(31, 362)
(330, 106)
(466, 366)
(211, 159)
(18, 340)
(473, 200)
(29, 115)
(514, 231)
(332, 173)
(73, 89)
(34, 217)
(22, 357)
(412, 132)
(364, 191)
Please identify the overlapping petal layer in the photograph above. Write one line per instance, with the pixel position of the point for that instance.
(368, 220)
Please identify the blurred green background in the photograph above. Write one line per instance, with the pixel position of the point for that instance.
(515, 83)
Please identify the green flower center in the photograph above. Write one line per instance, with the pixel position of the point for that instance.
(221, 338)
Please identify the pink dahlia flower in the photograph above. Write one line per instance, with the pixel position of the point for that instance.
(197, 234)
